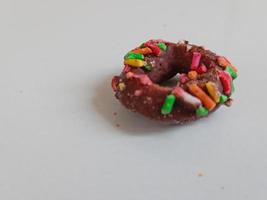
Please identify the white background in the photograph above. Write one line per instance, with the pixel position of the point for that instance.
(58, 135)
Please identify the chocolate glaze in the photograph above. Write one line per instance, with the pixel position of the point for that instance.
(150, 97)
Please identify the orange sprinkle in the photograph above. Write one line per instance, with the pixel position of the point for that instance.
(192, 75)
(129, 75)
(143, 51)
(222, 61)
(205, 99)
(234, 68)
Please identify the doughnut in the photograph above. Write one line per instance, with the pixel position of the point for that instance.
(174, 82)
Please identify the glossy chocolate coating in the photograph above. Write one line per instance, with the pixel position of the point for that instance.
(148, 98)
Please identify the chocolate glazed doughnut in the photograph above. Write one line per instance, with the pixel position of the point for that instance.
(203, 81)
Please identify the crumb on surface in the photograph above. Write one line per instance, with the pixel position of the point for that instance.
(200, 174)
(115, 113)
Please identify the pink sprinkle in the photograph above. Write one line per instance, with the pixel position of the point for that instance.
(129, 75)
(201, 69)
(137, 92)
(183, 78)
(126, 69)
(179, 93)
(144, 79)
(195, 60)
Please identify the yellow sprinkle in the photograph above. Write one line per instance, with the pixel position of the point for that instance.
(213, 91)
(121, 86)
(135, 62)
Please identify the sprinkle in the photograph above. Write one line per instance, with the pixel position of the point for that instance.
(234, 68)
(114, 113)
(143, 51)
(183, 78)
(137, 92)
(114, 83)
(233, 87)
(192, 75)
(129, 75)
(117, 125)
(226, 82)
(122, 86)
(202, 69)
(168, 104)
(223, 99)
(126, 69)
(229, 102)
(148, 67)
(222, 61)
(135, 62)
(205, 99)
(155, 49)
(231, 71)
(195, 60)
(132, 55)
(213, 91)
(162, 46)
(183, 96)
(202, 111)
(144, 79)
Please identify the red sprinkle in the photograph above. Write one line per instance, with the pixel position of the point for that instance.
(155, 49)
(115, 113)
(126, 69)
(226, 82)
(118, 125)
(202, 69)
(114, 82)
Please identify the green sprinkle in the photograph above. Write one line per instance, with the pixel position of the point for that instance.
(231, 71)
(162, 46)
(132, 55)
(202, 111)
(233, 87)
(148, 67)
(168, 104)
(223, 99)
